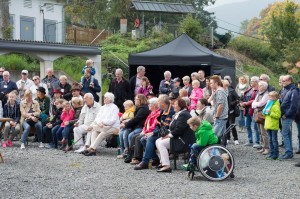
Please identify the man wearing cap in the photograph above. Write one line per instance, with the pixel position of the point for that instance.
(50, 80)
(23, 84)
(6, 86)
(76, 90)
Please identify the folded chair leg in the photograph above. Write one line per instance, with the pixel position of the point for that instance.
(175, 164)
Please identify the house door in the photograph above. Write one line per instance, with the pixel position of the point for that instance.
(50, 31)
(27, 28)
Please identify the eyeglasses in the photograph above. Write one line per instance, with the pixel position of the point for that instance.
(24, 73)
(35, 79)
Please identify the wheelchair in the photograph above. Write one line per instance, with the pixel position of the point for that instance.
(215, 162)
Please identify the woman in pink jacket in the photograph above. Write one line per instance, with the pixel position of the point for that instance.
(146, 87)
(196, 94)
(66, 116)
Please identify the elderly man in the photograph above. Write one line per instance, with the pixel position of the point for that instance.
(219, 101)
(249, 96)
(202, 78)
(51, 81)
(24, 84)
(105, 125)
(6, 86)
(120, 88)
(90, 85)
(289, 104)
(266, 78)
(88, 114)
(166, 85)
(135, 81)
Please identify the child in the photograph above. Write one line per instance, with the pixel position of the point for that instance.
(195, 95)
(54, 123)
(89, 64)
(127, 115)
(66, 116)
(204, 136)
(272, 116)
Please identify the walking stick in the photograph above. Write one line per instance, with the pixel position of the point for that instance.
(1, 157)
(67, 149)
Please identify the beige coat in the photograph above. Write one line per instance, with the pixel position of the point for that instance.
(24, 108)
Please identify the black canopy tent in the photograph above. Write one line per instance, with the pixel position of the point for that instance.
(181, 56)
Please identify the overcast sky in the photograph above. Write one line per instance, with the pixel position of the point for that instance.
(222, 2)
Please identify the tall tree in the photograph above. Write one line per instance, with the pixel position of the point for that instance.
(5, 29)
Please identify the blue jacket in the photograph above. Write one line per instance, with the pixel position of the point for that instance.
(289, 101)
(93, 70)
(87, 89)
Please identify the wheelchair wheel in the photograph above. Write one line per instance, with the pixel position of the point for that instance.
(215, 163)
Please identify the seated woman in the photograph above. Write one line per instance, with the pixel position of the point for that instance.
(104, 125)
(30, 112)
(203, 111)
(37, 83)
(204, 136)
(11, 110)
(56, 95)
(178, 139)
(127, 116)
(44, 102)
(147, 131)
(136, 124)
(146, 88)
(77, 104)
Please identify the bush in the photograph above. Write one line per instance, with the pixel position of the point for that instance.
(19, 62)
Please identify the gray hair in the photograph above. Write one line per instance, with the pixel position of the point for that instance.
(140, 68)
(187, 101)
(6, 73)
(186, 78)
(110, 96)
(120, 70)
(165, 98)
(228, 78)
(196, 75)
(89, 95)
(265, 76)
(263, 84)
(255, 78)
(168, 73)
(153, 100)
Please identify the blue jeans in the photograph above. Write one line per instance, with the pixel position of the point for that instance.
(67, 133)
(287, 136)
(274, 152)
(131, 134)
(57, 135)
(195, 150)
(249, 123)
(219, 127)
(149, 147)
(123, 136)
(38, 128)
(241, 119)
(298, 128)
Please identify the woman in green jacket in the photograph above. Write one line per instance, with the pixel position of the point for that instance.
(204, 136)
(272, 116)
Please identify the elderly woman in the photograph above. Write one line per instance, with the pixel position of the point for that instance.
(187, 86)
(104, 125)
(37, 83)
(203, 111)
(240, 89)
(146, 87)
(179, 137)
(258, 105)
(30, 112)
(147, 131)
(196, 94)
(65, 87)
(195, 76)
(136, 124)
(44, 103)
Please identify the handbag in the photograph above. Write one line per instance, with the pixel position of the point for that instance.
(163, 131)
(259, 118)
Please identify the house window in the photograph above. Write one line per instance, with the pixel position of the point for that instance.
(49, 8)
(28, 3)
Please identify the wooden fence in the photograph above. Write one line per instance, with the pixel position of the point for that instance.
(84, 35)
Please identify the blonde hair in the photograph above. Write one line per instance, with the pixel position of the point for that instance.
(60, 101)
(194, 121)
(27, 93)
(273, 94)
(89, 61)
(183, 93)
(186, 78)
(196, 82)
(78, 101)
(128, 103)
(63, 77)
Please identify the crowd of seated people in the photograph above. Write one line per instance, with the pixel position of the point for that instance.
(150, 126)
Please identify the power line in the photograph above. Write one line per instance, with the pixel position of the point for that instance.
(228, 23)
(242, 34)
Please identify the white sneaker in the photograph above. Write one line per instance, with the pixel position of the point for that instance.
(41, 145)
(82, 148)
(236, 142)
(22, 146)
(228, 141)
(256, 146)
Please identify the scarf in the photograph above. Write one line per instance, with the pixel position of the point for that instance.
(268, 107)
(242, 86)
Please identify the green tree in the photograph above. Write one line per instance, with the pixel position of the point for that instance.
(191, 26)
(5, 28)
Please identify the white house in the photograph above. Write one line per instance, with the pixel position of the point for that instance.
(37, 20)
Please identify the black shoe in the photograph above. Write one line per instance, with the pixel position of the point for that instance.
(128, 159)
(163, 170)
(84, 152)
(141, 166)
(298, 152)
(90, 153)
(297, 164)
(159, 166)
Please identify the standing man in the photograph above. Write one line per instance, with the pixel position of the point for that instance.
(289, 105)
(120, 88)
(6, 86)
(266, 78)
(24, 84)
(202, 78)
(166, 85)
(90, 85)
(219, 99)
(51, 81)
(135, 81)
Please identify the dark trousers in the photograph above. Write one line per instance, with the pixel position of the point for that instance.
(119, 103)
(138, 147)
(231, 120)
(68, 133)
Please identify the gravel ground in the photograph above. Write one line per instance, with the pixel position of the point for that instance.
(45, 173)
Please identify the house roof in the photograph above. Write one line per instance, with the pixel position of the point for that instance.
(37, 46)
(149, 6)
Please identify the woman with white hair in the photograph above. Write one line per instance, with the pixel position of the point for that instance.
(106, 123)
(258, 105)
(65, 87)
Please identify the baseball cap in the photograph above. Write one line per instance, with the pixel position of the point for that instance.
(24, 71)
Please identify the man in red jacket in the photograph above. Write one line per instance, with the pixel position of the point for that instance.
(249, 96)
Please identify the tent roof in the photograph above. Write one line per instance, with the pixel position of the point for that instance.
(183, 51)
(149, 6)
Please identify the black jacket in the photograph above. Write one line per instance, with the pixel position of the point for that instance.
(15, 115)
(132, 83)
(125, 89)
(181, 130)
(67, 94)
(140, 115)
(56, 119)
(233, 99)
